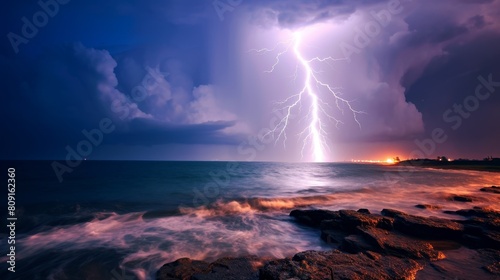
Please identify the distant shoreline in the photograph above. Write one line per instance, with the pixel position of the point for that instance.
(475, 165)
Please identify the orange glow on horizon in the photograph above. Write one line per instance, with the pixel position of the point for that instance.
(386, 161)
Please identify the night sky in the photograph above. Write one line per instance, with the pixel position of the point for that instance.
(184, 80)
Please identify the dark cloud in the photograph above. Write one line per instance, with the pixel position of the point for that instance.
(423, 62)
(73, 88)
(477, 21)
(293, 14)
(450, 79)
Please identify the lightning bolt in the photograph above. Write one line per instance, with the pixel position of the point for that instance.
(313, 89)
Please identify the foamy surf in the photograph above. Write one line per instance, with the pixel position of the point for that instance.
(100, 236)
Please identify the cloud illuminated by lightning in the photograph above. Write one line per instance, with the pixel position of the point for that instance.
(315, 91)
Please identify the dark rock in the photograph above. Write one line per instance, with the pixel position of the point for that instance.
(331, 224)
(352, 219)
(462, 198)
(224, 268)
(490, 239)
(337, 265)
(482, 229)
(356, 244)
(363, 210)
(346, 220)
(484, 223)
(428, 207)
(492, 189)
(492, 260)
(332, 236)
(391, 213)
(400, 246)
(182, 269)
(493, 268)
(484, 218)
(386, 223)
(431, 227)
(478, 212)
(313, 217)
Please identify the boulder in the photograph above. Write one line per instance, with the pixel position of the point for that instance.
(432, 227)
(492, 189)
(353, 219)
(401, 246)
(333, 237)
(482, 229)
(492, 260)
(462, 198)
(392, 213)
(349, 220)
(356, 244)
(313, 217)
(363, 210)
(428, 207)
(182, 269)
(481, 212)
(224, 268)
(334, 264)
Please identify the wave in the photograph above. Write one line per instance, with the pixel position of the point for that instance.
(258, 204)
(147, 240)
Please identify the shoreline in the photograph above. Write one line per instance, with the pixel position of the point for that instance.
(472, 165)
(386, 245)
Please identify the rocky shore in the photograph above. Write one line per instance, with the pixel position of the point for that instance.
(386, 245)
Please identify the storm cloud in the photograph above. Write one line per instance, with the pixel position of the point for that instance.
(171, 73)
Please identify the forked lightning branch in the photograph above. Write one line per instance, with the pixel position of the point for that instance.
(318, 93)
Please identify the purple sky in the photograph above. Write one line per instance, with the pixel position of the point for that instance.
(178, 80)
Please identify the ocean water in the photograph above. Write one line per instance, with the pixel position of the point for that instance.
(124, 220)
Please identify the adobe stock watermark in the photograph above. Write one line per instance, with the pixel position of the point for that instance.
(30, 27)
(223, 6)
(455, 117)
(84, 148)
(94, 138)
(373, 28)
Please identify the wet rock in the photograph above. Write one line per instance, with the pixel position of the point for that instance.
(482, 229)
(493, 268)
(314, 217)
(399, 245)
(479, 217)
(462, 198)
(334, 237)
(224, 268)
(391, 213)
(353, 219)
(481, 236)
(374, 247)
(428, 207)
(349, 220)
(477, 212)
(364, 211)
(431, 227)
(182, 269)
(356, 244)
(492, 258)
(331, 224)
(492, 189)
(337, 265)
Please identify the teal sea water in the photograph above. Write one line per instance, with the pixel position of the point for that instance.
(124, 219)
